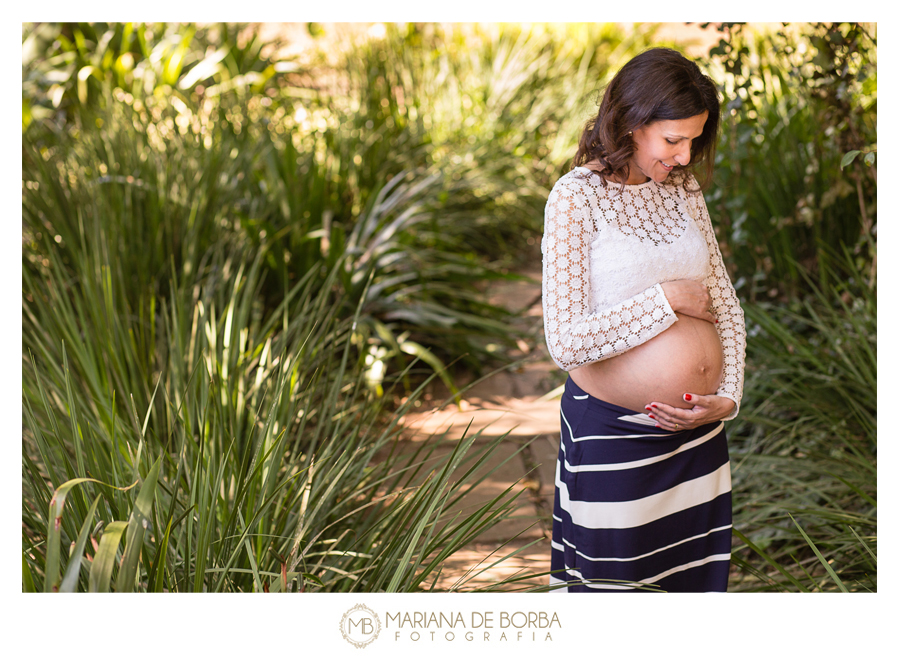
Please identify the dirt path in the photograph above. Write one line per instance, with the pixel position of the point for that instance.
(516, 402)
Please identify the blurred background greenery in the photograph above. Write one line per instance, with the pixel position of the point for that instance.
(242, 261)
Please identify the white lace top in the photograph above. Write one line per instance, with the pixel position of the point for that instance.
(605, 256)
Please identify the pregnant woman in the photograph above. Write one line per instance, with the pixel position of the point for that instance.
(639, 309)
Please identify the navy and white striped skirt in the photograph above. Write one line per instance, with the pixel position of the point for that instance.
(637, 504)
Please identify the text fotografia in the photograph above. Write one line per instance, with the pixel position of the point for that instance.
(478, 626)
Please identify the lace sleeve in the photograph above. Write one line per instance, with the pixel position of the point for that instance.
(574, 335)
(725, 306)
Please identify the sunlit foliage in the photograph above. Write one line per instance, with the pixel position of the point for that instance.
(233, 260)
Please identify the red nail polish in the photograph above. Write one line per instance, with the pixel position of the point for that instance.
(687, 396)
(652, 416)
(653, 405)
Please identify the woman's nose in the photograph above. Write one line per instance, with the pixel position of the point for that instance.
(683, 157)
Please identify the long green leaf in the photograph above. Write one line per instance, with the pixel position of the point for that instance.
(57, 503)
(864, 545)
(137, 524)
(158, 577)
(73, 417)
(256, 581)
(104, 560)
(824, 562)
(784, 572)
(70, 580)
(27, 580)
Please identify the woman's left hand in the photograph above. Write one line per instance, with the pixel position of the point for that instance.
(706, 409)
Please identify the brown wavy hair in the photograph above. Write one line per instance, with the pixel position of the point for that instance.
(657, 85)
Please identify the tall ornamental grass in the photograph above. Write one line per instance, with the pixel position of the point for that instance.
(805, 449)
(263, 462)
(796, 202)
(232, 444)
(424, 156)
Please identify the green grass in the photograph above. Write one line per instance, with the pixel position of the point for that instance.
(263, 461)
(805, 448)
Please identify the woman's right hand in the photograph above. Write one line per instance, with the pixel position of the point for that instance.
(690, 298)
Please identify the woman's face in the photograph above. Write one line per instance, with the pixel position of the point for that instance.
(661, 145)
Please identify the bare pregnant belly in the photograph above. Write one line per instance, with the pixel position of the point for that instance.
(685, 358)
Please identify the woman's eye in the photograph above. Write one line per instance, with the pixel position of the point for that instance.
(672, 142)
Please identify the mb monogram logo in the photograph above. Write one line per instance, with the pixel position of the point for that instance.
(360, 626)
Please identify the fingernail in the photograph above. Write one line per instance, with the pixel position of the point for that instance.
(717, 322)
(687, 396)
(653, 405)
(652, 416)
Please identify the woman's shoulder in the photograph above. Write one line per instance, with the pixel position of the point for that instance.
(579, 182)
(576, 190)
(575, 177)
